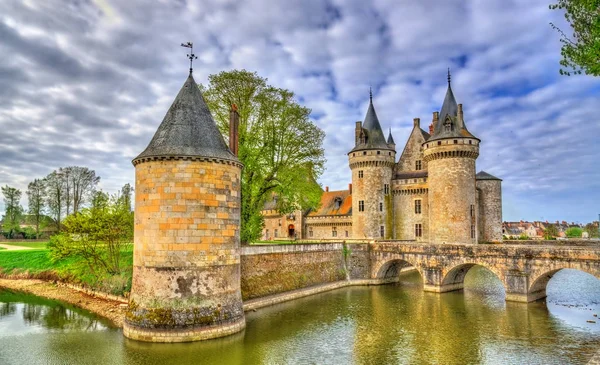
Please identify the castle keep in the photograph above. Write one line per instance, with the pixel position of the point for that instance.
(431, 193)
(186, 269)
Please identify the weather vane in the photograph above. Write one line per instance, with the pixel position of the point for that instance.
(448, 75)
(191, 55)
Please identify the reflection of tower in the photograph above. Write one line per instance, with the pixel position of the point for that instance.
(371, 161)
(186, 274)
(450, 154)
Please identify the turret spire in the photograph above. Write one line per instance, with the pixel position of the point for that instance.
(191, 55)
(449, 77)
(370, 95)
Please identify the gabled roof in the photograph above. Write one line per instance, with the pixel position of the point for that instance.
(482, 175)
(449, 113)
(188, 129)
(425, 134)
(327, 207)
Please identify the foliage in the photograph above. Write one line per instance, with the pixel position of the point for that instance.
(125, 195)
(523, 236)
(574, 232)
(580, 52)
(38, 264)
(14, 211)
(68, 189)
(97, 235)
(592, 230)
(280, 147)
(550, 232)
(36, 196)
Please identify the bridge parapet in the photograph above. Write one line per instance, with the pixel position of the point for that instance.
(524, 270)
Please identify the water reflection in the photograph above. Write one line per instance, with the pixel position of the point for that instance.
(362, 325)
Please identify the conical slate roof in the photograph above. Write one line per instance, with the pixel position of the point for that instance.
(450, 110)
(375, 137)
(390, 139)
(187, 130)
(482, 175)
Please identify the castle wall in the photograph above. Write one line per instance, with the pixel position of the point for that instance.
(278, 226)
(405, 218)
(490, 219)
(376, 171)
(451, 183)
(268, 270)
(322, 227)
(186, 274)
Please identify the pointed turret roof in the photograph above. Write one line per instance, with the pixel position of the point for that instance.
(187, 130)
(390, 139)
(449, 112)
(482, 175)
(375, 138)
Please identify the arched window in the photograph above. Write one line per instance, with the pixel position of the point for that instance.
(448, 124)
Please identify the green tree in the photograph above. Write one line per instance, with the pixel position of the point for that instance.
(80, 184)
(97, 235)
(36, 196)
(125, 195)
(574, 232)
(581, 51)
(13, 211)
(280, 147)
(550, 232)
(592, 230)
(55, 196)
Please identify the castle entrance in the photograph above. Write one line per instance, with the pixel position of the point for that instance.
(291, 231)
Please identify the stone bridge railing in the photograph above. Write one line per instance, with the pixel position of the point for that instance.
(523, 269)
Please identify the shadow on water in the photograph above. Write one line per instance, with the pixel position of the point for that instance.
(390, 324)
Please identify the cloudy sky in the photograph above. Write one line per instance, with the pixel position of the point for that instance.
(87, 82)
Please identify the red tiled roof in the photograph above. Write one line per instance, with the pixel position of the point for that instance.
(328, 206)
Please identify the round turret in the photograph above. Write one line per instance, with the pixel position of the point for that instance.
(450, 154)
(372, 161)
(186, 262)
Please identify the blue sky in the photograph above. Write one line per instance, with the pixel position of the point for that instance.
(88, 82)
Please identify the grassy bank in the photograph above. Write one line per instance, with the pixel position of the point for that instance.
(37, 264)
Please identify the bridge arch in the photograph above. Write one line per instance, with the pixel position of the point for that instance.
(539, 283)
(392, 268)
(455, 277)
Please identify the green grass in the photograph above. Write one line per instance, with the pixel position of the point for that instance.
(75, 270)
(2, 248)
(40, 245)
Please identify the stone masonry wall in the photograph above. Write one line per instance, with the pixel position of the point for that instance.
(412, 152)
(451, 183)
(490, 212)
(186, 255)
(405, 217)
(377, 171)
(268, 270)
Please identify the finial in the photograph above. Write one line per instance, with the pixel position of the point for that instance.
(449, 76)
(191, 55)
(370, 95)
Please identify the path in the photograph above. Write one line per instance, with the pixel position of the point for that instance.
(14, 248)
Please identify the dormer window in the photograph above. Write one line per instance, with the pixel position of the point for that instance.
(338, 203)
(448, 124)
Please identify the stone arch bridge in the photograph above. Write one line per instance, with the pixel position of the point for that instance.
(524, 270)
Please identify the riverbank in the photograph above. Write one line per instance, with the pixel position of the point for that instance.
(107, 307)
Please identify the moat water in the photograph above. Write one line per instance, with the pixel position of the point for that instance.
(391, 324)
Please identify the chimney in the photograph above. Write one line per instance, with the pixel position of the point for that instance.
(327, 189)
(350, 188)
(234, 122)
(417, 122)
(460, 112)
(357, 132)
(431, 128)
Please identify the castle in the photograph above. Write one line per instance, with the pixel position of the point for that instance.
(431, 193)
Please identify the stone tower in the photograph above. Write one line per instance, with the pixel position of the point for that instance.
(450, 154)
(372, 162)
(186, 261)
(489, 189)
